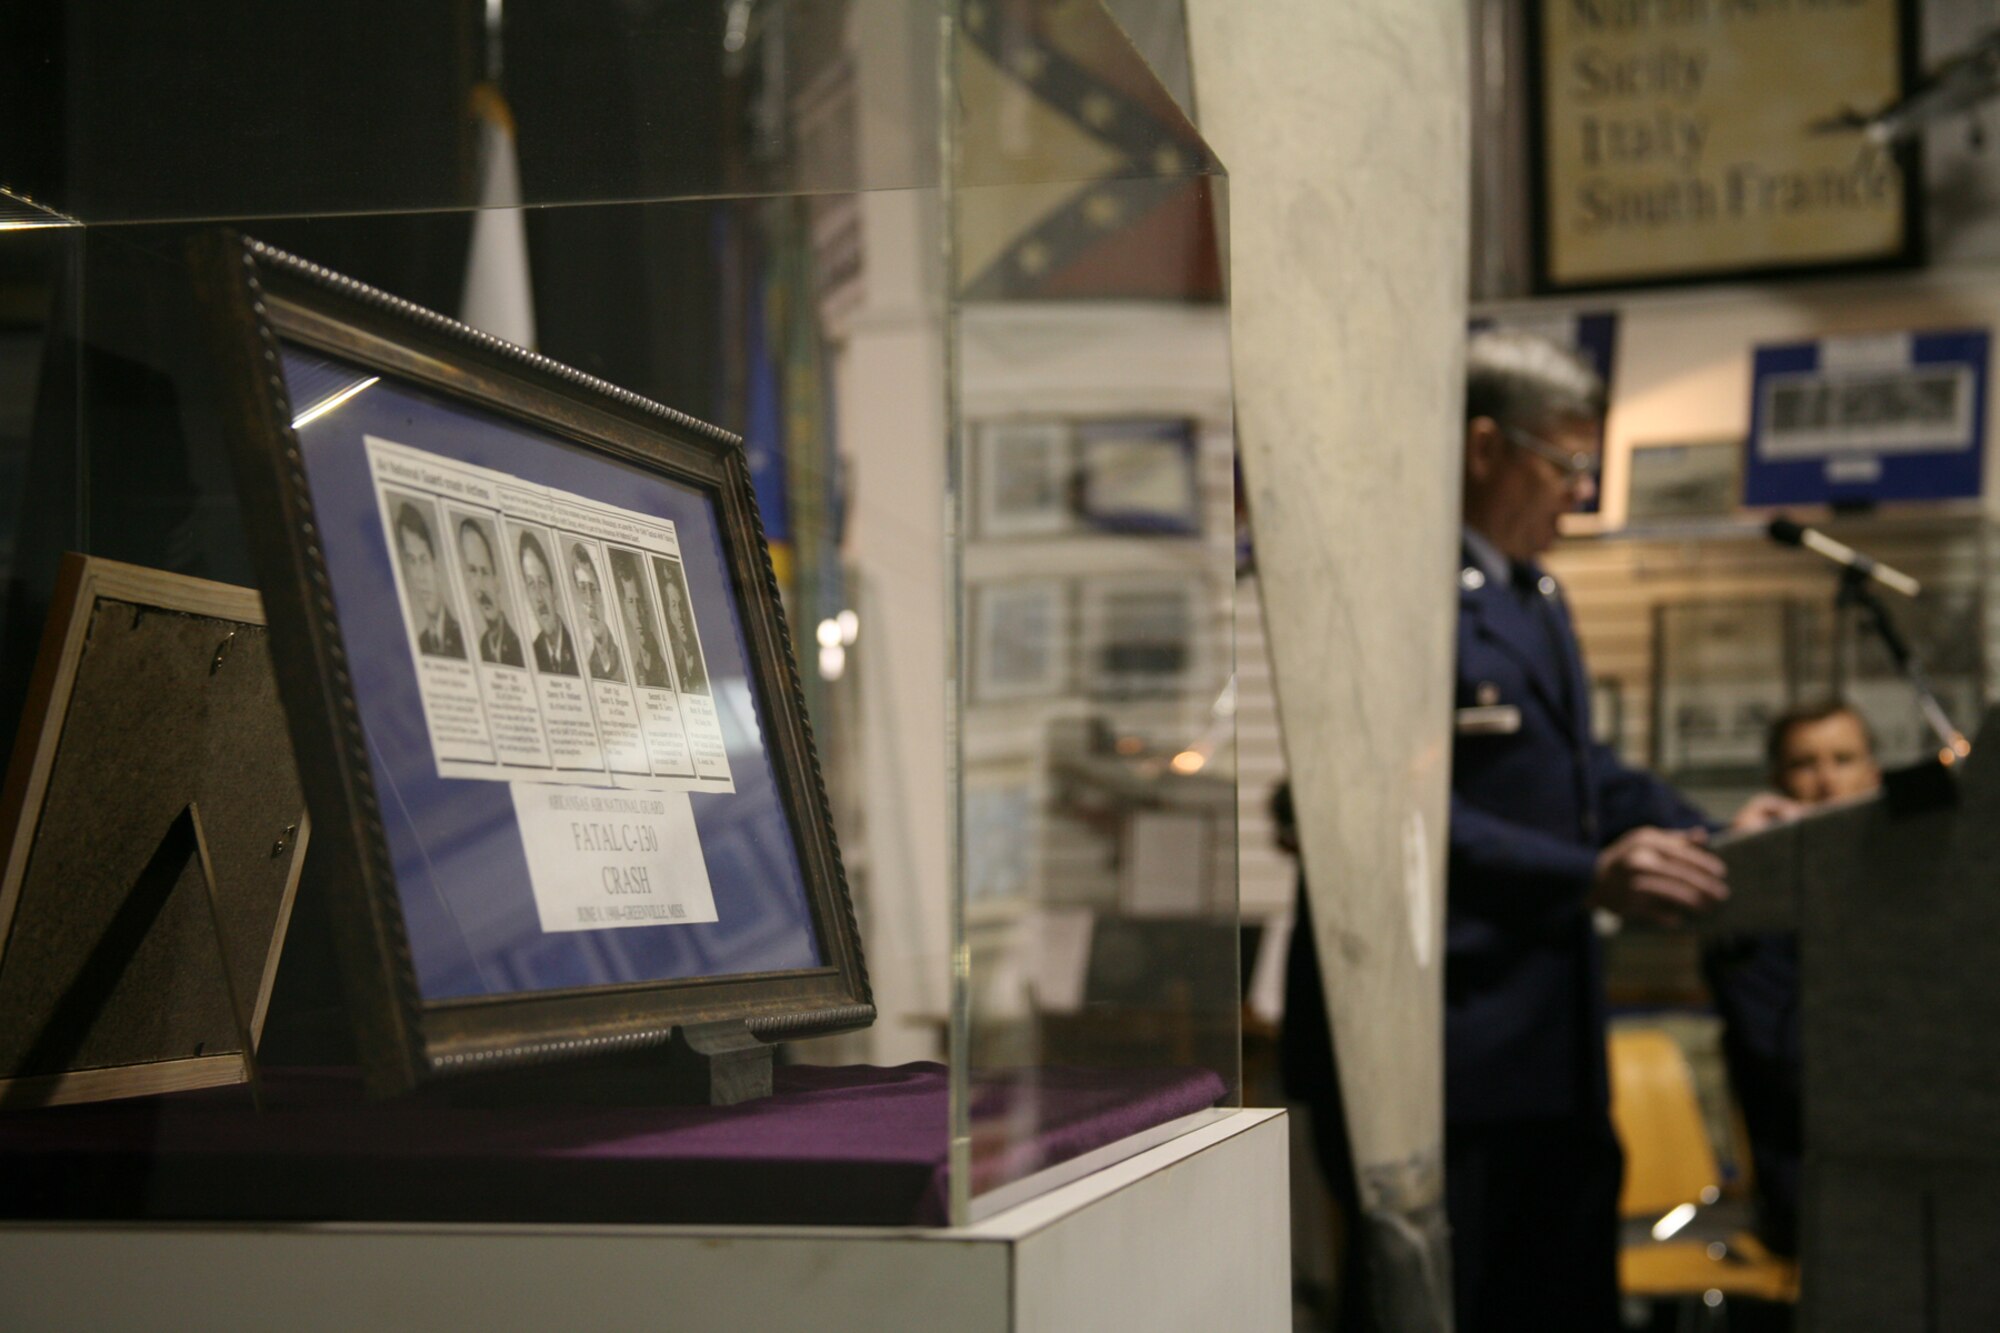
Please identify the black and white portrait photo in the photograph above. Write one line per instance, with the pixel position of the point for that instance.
(485, 588)
(682, 645)
(635, 608)
(555, 650)
(600, 648)
(425, 581)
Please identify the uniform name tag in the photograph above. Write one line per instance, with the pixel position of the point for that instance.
(1490, 720)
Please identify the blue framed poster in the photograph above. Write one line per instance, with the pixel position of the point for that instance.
(1138, 476)
(1862, 419)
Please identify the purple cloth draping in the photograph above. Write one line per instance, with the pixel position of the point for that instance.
(846, 1145)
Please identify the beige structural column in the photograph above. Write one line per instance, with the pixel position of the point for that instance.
(1343, 127)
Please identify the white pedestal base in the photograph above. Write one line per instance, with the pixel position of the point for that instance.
(1191, 1235)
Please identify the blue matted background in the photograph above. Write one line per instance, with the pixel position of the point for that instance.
(460, 868)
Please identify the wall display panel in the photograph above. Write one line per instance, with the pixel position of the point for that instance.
(1139, 476)
(1676, 482)
(1141, 636)
(536, 665)
(1025, 475)
(1860, 419)
(1689, 141)
(1726, 670)
(1021, 640)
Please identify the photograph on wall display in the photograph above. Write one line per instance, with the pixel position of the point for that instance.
(1139, 636)
(483, 572)
(1725, 669)
(1868, 417)
(682, 641)
(1020, 640)
(434, 628)
(1669, 482)
(1138, 476)
(567, 814)
(1025, 475)
(1002, 837)
(1729, 155)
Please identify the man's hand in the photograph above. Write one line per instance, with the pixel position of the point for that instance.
(1763, 810)
(1659, 875)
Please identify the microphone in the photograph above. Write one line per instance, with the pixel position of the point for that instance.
(1793, 534)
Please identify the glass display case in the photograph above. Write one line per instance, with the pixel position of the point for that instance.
(953, 273)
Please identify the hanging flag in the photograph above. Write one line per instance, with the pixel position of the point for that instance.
(1085, 179)
(499, 298)
(763, 419)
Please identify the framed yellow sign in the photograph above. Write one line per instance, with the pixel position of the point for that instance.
(1693, 139)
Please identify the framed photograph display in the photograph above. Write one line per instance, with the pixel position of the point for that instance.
(1021, 640)
(1002, 836)
(1723, 671)
(1140, 636)
(1676, 483)
(1865, 418)
(1690, 142)
(1138, 476)
(152, 832)
(1026, 478)
(540, 687)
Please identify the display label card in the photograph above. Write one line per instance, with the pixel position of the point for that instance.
(601, 859)
(553, 635)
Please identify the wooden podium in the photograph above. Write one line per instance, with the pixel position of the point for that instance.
(1897, 901)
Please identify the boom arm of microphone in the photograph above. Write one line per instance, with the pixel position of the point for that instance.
(1856, 572)
(1795, 534)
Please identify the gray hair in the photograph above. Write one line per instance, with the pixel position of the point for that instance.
(1523, 379)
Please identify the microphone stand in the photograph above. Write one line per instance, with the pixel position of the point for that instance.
(1855, 591)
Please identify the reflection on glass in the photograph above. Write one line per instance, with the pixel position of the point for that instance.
(1097, 793)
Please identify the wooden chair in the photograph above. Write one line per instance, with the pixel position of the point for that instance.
(1671, 1252)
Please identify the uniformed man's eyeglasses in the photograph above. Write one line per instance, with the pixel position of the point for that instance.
(1574, 466)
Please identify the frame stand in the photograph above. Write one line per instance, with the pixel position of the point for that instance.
(702, 1064)
(69, 1023)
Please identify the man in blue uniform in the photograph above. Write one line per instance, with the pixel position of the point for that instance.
(1545, 827)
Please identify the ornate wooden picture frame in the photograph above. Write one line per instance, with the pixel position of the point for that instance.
(542, 693)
